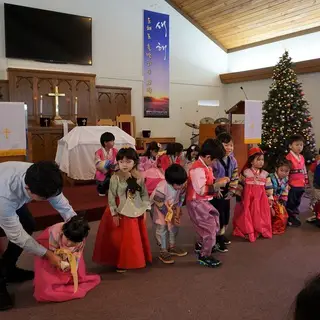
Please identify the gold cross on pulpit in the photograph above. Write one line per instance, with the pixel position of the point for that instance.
(6, 133)
(56, 94)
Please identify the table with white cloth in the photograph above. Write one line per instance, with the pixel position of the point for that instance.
(76, 150)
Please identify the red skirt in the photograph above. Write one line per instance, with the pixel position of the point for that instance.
(126, 246)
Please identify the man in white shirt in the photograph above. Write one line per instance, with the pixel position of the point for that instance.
(20, 183)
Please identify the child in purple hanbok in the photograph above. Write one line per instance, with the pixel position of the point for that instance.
(166, 201)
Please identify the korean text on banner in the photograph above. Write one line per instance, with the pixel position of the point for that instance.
(13, 139)
(252, 122)
(156, 65)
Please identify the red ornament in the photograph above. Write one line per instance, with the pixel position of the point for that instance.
(302, 93)
(273, 129)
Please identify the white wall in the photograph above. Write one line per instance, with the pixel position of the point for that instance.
(195, 61)
(300, 48)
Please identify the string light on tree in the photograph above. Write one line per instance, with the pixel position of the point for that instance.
(285, 113)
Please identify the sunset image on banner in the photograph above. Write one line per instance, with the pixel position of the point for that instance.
(156, 65)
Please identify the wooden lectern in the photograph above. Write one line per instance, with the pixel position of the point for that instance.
(237, 132)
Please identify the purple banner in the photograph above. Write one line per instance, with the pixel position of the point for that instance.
(156, 65)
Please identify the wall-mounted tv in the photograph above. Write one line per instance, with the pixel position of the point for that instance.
(47, 36)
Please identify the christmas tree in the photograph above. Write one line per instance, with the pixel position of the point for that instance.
(286, 113)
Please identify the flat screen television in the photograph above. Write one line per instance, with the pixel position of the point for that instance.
(47, 36)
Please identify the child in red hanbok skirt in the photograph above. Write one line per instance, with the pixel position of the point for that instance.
(252, 216)
(71, 281)
(172, 155)
(280, 183)
(149, 167)
(122, 239)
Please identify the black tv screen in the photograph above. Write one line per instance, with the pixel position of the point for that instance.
(47, 36)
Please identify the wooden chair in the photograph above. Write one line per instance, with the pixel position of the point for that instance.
(105, 122)
(127, 123)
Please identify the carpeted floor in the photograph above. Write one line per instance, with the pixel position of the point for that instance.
(256, 282)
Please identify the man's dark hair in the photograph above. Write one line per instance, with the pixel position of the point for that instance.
(213, 148)
(76, 229)
(44, 179)
(220, 129)
(224, 137)
(106, 137)
(295, 138)
(175, 174)
(307, 301)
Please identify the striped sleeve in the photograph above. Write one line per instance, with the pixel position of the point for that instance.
(240, 185)
(269, 188)
(284, 195)
(234, 181)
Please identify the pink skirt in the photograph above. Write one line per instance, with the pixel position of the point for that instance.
(152, 177)
(252, 216)
(51, 284)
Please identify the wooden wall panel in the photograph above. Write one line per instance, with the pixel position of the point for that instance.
(4, 90)
(112, 101)
(28, 85)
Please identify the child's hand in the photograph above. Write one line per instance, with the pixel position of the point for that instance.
(222, 182)
(116, 220)
(229, 196)
(53, 259)
(270, 202)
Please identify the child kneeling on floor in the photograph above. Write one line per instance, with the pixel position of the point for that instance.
(166, 201)
(71, 281)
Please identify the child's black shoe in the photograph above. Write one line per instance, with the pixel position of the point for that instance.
(294, 222)
(210, 262)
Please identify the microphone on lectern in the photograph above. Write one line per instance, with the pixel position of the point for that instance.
(244, 93)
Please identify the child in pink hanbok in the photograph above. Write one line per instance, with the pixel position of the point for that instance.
(71, 281)
(149, 168)
(252, 214)
(105, 161)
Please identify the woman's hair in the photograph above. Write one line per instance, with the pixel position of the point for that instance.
(128, 153)
(219, 129)
(174, 148)
(76, 229)
(175, 174)
(44, 179)
(283, 162)
(213, 148)
(178, 147)
(224, 137)
(307, 301)
(192, 148)
(106, 137)
(251, 158)
(153, 146)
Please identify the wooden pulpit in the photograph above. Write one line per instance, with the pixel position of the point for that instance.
(237, 132)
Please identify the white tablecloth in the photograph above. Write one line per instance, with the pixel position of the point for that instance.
(75, 153)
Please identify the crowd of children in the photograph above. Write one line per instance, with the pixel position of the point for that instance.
(204, 180)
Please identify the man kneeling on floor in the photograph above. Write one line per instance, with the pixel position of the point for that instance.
(20, 183)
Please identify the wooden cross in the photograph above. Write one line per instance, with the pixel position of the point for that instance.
(6, 133)
(56, 94)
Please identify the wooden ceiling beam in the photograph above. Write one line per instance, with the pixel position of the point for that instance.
(283, 23)
(302, 67)
(196, 24)
(263, 15)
